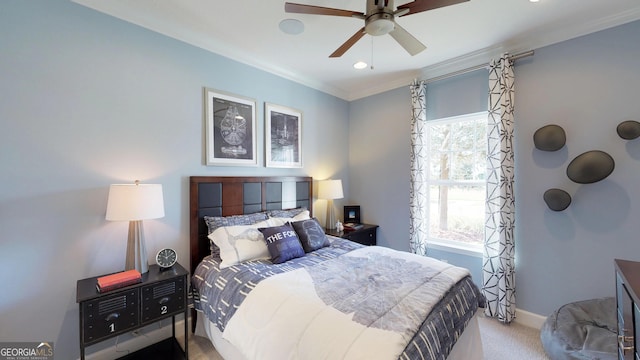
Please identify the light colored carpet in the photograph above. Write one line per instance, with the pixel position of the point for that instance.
(510, 342)
(500, 342)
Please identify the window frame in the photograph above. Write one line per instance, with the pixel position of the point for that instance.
(453, 246)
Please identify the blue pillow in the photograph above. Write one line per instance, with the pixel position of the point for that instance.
(311, 234)
(282, 242)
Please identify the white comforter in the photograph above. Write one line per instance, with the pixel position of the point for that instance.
(365, 305)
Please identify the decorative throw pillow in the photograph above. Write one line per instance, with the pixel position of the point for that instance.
(214, 222)
(286, 213)
(302, 215)
(282, 242)
(240, 243)
(311, 234)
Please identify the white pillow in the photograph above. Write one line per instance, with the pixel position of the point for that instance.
(240, 243)
(279, 221)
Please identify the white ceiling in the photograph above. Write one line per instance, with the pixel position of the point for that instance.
(458, 36)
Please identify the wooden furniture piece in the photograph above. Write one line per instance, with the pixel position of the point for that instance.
(160, 295)
(230, 195)
(365, 235)
(628, 308)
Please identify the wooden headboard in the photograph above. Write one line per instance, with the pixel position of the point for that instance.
(224, 196)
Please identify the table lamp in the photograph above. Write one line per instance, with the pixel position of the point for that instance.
(330, 190)
(134, 203)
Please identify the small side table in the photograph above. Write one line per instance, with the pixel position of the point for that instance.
(160, 295)
(365, 235)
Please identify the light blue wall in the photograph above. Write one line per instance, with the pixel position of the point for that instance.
(459, 95)
(586, 85)
(87, 100)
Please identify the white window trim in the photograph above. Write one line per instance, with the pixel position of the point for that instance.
(450, 246)
(468, 250)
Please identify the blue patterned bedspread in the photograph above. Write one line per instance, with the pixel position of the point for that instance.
(218, 294)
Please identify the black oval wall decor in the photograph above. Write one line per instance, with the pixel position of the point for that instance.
(591, 166)
(549, 138)
(557, 199)
(629, 129)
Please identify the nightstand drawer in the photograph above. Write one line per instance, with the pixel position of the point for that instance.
(364, 237)
(111, 315)
(163, 299)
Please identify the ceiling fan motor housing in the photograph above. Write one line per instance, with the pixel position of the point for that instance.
(379, 24)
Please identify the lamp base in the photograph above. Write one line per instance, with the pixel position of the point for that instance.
(136, 249)
(331, 216)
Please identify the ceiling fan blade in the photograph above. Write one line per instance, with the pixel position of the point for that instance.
(319, 10)
(406, 40)
(424, 5)
(348, 44)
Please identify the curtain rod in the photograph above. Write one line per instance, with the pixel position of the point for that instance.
(478, 67)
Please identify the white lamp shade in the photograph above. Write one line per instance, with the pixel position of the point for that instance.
(132, 202)
(330, 189)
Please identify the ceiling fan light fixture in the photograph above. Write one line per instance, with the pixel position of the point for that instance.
(379, 26)
(291, 26)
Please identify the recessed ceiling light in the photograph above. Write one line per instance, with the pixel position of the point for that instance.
(534, 0)
(291, 26)
(360, 65)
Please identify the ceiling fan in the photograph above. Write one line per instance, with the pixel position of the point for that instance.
(378, 20)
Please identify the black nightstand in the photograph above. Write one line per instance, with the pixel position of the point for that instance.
(160, 295)
(365, 235)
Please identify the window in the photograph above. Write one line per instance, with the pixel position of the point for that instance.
(456, 178)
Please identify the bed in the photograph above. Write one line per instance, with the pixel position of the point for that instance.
(267, 283)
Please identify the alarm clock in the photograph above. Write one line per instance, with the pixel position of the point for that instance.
(166, 258)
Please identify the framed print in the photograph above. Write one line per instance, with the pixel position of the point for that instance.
(352, 214)
(283, 136)
(230, 129)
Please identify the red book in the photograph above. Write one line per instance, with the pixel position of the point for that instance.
(118, 285)
(124, 277)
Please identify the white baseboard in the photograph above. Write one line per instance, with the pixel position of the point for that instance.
(145, 337)
(530, 319)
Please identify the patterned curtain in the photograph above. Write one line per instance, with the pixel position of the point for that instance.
(418, 188)
(499, 247)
